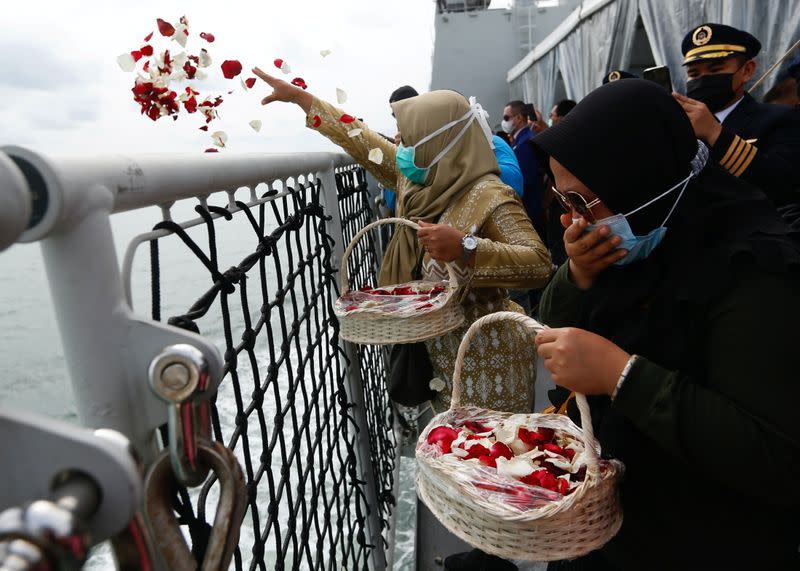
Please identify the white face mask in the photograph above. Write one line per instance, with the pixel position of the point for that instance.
(507, 126)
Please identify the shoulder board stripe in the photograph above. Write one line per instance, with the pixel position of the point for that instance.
(733, 151)
(746, 162)
(733, 165)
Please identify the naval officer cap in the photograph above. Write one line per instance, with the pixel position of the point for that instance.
(718, 41)
(616, 74)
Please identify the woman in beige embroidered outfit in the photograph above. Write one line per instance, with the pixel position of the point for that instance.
(463, 194)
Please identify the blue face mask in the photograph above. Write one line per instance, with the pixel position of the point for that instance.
(404, 156)
(639, 247)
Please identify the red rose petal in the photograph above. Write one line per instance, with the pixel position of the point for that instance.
(500, 449)
(204, 128)
(148, 36)
(146, 66)
(165, 28)
(488, 461)
(146, 50)
(316, 121)
(250, 82)
(476, 451)
(190, 105)
(207, 36)
(278, 63)
(299, 82)
(231, 68)
(211, 150)
(443, 437)
(348, 119)
(136, 55)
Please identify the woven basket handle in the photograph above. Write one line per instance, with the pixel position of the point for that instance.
(535, 326)
(344, 277)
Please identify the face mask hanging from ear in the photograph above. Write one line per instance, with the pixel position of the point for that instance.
(640, 247)
(404, 156)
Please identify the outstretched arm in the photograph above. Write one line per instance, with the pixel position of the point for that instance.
(326, 118)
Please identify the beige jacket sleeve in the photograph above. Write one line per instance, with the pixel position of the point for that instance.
(325, 118)
(510, 253)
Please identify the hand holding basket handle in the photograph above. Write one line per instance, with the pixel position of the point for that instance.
(375, 328)
(579, 522)
(535, 327)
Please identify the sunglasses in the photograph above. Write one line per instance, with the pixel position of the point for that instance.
(573, 201)
(507, 117)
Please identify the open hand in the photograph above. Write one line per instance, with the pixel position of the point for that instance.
(705, 125)
(284, 91)
(442, 242)
(589, 252)
(580, 360)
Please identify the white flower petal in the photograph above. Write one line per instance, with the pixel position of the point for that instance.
(220, 138)
(375, 155)
(180, 34)
(459, 452)
(200, 74)
(324, 53)
(126, 62)
(255, 124)
(204, 60)
(436, 383)
(285, 68)
(514, 468)
(341, 96)
(244, 85)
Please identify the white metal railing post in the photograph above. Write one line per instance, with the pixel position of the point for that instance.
(355, 386)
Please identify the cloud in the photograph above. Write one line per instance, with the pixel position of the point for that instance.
(33, 66)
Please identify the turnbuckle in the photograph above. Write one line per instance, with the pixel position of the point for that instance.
(179, 376)
(161, 486)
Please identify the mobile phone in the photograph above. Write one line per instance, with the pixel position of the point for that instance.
(660, 75)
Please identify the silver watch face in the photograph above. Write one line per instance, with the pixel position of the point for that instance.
(470, 243)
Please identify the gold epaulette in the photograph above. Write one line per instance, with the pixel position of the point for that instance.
(739, 156)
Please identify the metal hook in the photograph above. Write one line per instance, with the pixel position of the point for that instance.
(160, 489)
(179, 376)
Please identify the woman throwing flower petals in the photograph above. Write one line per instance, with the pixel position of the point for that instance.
(676, 313)
(446, 177)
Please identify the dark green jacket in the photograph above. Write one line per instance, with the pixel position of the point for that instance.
(713, 477)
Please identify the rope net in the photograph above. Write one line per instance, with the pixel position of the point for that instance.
(283, 405)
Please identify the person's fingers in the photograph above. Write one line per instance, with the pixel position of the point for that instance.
(566, 219)
(263, 75)
(269, 99)
(613, 256)
(679, 96)
(589, 240)
(423, 223)
(575, 229)
(547, 335)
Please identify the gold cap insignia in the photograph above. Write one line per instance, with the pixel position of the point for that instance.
(613, 76)
(701, 36)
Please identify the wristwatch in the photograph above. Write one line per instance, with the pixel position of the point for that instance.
(470, 245)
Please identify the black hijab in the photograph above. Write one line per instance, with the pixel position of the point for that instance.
(629, 141)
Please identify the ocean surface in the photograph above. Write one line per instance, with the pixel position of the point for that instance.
(35, 374)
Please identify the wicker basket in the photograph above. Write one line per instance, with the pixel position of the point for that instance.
(373, 327)
(572, 526)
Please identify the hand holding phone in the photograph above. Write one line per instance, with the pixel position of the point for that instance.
(660, 75)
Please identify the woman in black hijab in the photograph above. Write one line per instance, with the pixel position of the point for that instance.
(681, 328)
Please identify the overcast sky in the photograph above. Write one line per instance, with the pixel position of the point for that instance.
(63, 92)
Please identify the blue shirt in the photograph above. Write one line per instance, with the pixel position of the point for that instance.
(510, 173)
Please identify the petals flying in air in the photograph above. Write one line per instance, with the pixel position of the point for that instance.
(375, 155)
(341, 96)
(256, 125)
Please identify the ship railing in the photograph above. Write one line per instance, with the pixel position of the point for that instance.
(252, 361)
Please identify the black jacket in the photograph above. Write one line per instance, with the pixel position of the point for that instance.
(760, 143)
